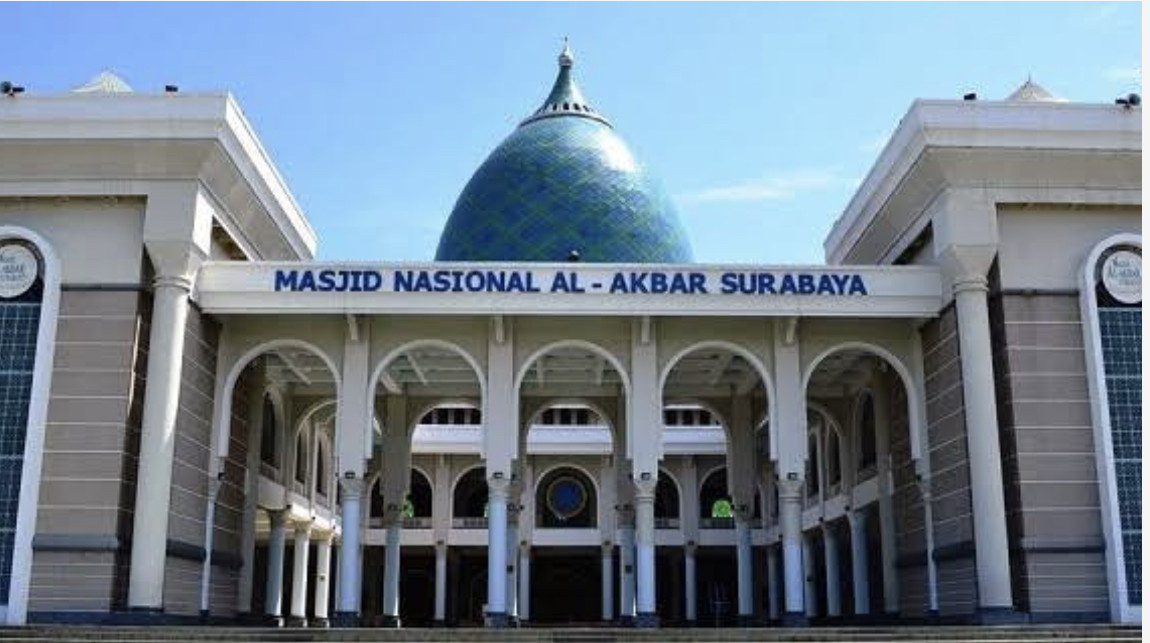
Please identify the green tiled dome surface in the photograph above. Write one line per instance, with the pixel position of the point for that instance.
(563, 182)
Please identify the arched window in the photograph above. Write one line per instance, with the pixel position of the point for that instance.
(321, 470)
(565, 497)
(470, 495)
(812, 469)
(868, 451)
(418, 504)
(301, 457)
(834, 462)
(666, 498)
(28, 305)
(269, 432)
(715, 507)
(1111, 305)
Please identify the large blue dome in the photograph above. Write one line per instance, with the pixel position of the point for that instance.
(563, 182)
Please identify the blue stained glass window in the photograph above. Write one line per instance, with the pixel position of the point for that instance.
(1120, 332)
(19, 327)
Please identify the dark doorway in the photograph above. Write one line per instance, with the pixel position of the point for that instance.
(717, 586)
(466, 585)
(566, 585)
(417, 587)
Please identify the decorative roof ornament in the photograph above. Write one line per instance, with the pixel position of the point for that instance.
(565, 99)
(104, 82)
(1032, 92)
(566, 58)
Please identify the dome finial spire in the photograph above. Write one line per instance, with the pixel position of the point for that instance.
(566, 58)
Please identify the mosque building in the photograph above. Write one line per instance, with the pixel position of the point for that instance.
(563, 419)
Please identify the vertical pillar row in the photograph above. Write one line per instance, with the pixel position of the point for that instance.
(860, 562)
(391, 568)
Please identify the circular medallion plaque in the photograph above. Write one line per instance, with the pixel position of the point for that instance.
(566, 497)
(18, 270)
(1122, 276)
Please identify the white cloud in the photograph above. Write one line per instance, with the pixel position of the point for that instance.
(772, 187)
(1131, 74)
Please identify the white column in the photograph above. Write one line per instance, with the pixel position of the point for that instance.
(497, 488)
(810, 589)
(744, 560)
(209, 537)
(322, 579)
(833, 577)
(860, 562)
(790, 524)
(350, 553)
(299, 574)
(525, 583)
(512, 560)
(690, 584)
(773, 584)
(391, 570)
(277, 542)
(626, 572)
(931, 567)
(158, 442)
(888, 544)
(979, 407)
(607, 580)
(645, 615)
(440, 583)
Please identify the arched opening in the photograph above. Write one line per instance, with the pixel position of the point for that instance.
(419, 499)
(469, 500)
(666, 502)
(565, 498)
(269, 433)
(716, 509)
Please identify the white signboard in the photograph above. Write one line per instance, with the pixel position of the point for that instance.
(1122, 276)
(573, 289)
(18, 270)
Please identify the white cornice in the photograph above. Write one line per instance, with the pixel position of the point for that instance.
(140, 118)
(979, 124)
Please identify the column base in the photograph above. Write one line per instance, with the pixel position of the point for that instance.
(273, 621)
(647, 620)
(498, 620)
(998, 616)
(691, 622)
(295, 621)
(439, 623)
(626, 621)
(794, 619)
(319, 623)
(388, 622)
(345, 619)
(747, 620)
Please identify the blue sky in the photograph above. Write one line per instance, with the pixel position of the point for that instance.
(760, 119)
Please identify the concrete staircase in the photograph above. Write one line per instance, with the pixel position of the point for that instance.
(984, 634)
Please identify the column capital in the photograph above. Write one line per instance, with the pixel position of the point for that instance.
(278, 517)
(790, 488)
(645, 487)
(690, 548)
(607, 548)
(180, 282)
(970, 283)
(303, 528)
(352, 487)
(498, 486)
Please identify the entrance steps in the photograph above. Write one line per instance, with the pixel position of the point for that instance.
(942, 634)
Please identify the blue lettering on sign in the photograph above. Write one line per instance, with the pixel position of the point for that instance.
(629, 282)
